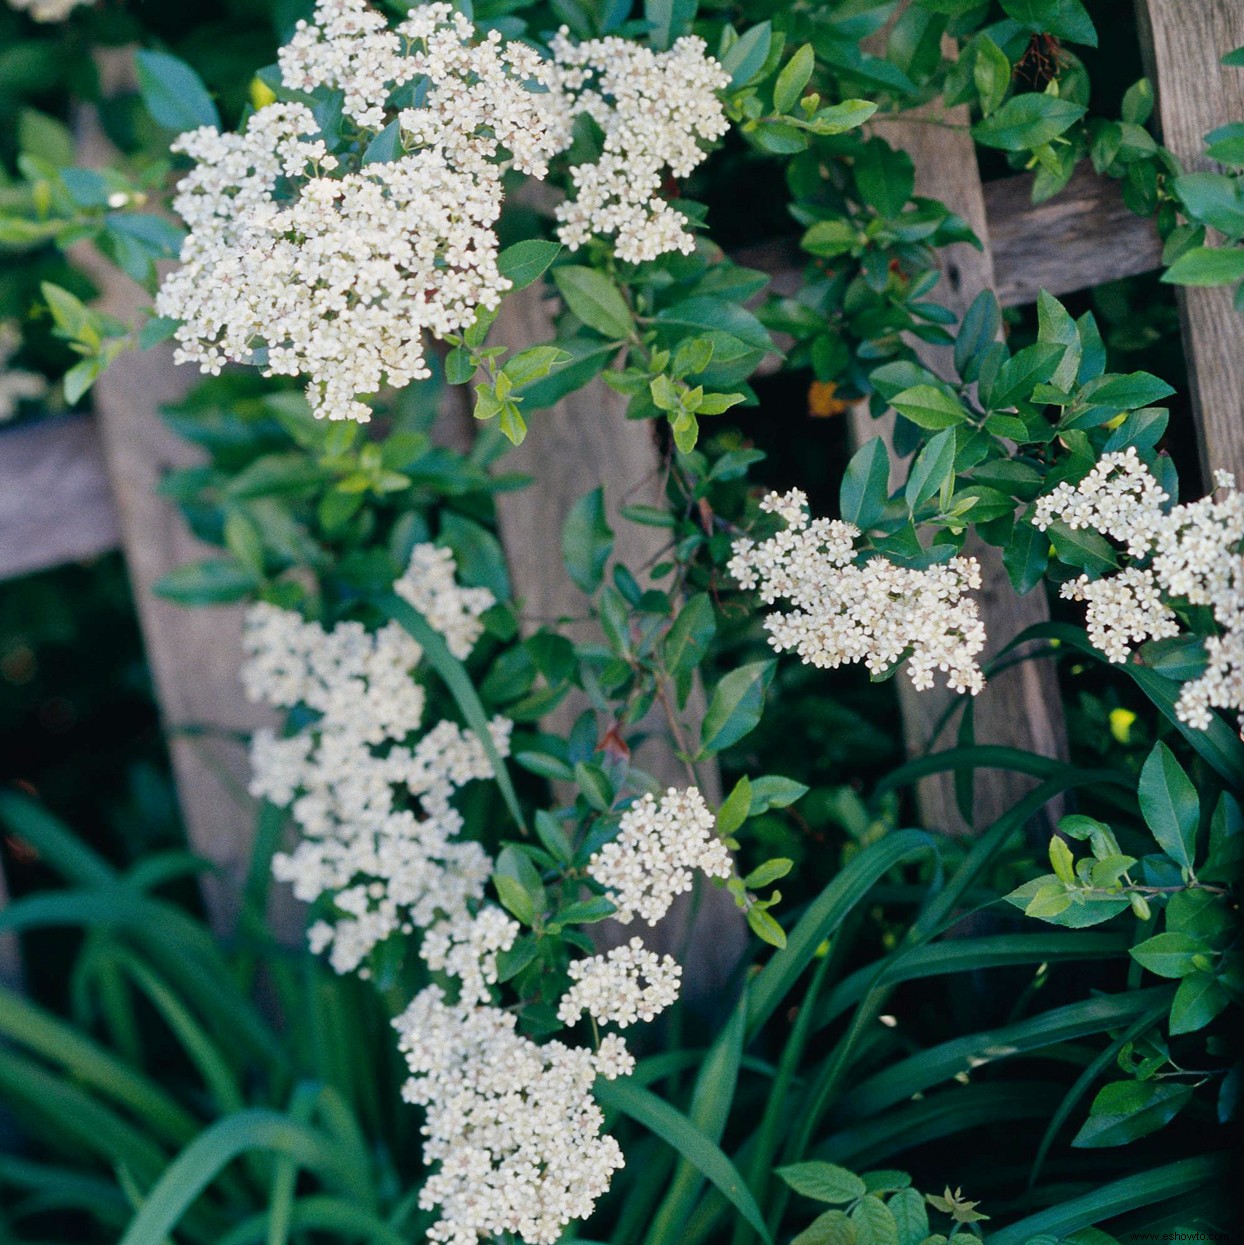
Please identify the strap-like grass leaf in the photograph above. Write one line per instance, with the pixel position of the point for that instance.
(453, 674)
(205, 1158)
(678, 1132)
(711, 1100)
(826, 913)
(1117, 1198)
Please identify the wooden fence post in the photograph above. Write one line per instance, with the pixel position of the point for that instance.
(1185, 41)
(1021, 707)
(582, 442)
(194, 654)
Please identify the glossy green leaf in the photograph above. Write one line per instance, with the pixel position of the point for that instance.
(865, 486)
(1125, 1111)
(1170, 806)
(173, 93)
(735, 707)
(592, 297)
(525, 262)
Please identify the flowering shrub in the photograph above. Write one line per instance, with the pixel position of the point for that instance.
(499, 870)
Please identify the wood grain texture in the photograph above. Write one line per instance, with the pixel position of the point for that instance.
(1196, 93)
(1021, 708)
(1084, 236)
(583, 442)
(194, 654)
(55, 501)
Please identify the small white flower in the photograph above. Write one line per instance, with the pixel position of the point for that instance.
(658, 848)
(625, 985)
(874, 612)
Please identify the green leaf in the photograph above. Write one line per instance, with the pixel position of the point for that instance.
(525, 262)
(884, 177)
(826, 912)
(774, 791)
(735, 808)
(910, 1216)
(173, 93)
(453, 674)
(1019, 376)
(1198, 1000)
(1105, 1202)
(746, 57)
(765, 927)
(686, 644)
(1207, 265)
(1126, 393)
(823, 1182)
(828, 238)
(1215, 199)
(711, 1100)
(1026, 556)
(1081, 547)
(1125, 1111)
(587, 541)
(518, 885)
(834, 1227)
(1169, 804)
(1169, 954)
(1027, 121)
(214, 581)
(768, 873)
(736, 706)
(874, 1225)
(532, 364)
(592, 297)
(206, 1157)
(596, 787)
(686, 1140)
(793, 79)
(934, 467)
(667, 20)
(839, 118)
(1066, 19)
(386, 146)
(991, 73)
(929, 407)
(865, 487)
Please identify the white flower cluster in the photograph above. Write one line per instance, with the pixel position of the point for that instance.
(627, 984)
(1189, 554)
(16, 386)
(48, 10)
(307, 268)
(510, 1123)
(658, 847)
(874, 612)
(654, 109)
(338, 274)
(513, 1124)
(385, 867)
(429, 585)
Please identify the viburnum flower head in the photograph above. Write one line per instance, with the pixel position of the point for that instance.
(370, 786)
(659, 847)
(1181, 555)
(876, 612)
(313, 261)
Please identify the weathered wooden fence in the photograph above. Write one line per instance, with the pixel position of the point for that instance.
(77, 486)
